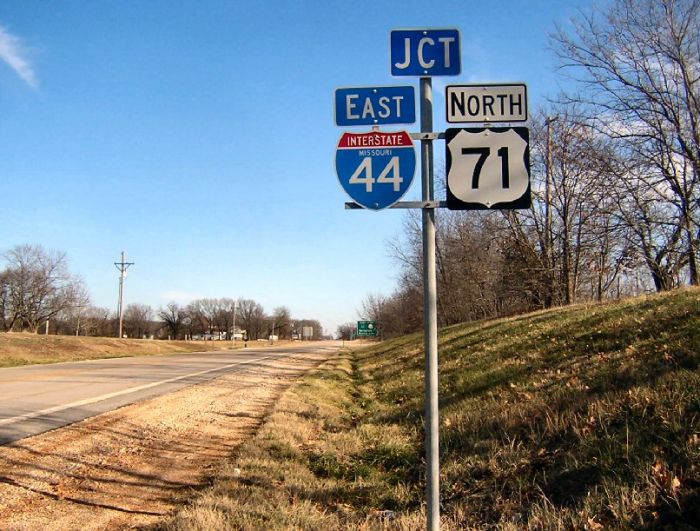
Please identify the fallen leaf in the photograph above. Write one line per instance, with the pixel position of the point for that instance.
(675, 483)
(593, 525)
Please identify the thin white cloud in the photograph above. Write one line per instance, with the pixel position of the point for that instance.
(12, 52)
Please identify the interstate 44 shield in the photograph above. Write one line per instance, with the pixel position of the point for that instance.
(375, 169)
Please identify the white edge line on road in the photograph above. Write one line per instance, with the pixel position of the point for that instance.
(115, 394)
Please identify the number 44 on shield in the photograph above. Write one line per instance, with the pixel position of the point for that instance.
(368, 180)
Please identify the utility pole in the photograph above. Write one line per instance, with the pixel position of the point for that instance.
(121, 267)
(233, 331)
(548, 236)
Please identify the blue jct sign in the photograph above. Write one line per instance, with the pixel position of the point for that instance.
(429, 52)
(375, 169)
(375, 106)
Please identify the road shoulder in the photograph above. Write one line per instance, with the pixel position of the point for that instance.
(133, 466)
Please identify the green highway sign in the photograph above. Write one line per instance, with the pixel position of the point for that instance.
(366, 328)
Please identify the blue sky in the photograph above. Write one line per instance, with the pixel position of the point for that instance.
(198, 136)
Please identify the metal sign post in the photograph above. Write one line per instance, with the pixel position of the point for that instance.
(432, 418)
(426, 53)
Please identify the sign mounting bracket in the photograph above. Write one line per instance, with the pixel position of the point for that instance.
(351, 205)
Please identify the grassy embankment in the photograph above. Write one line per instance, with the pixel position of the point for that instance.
(25, 349)
(585, 417)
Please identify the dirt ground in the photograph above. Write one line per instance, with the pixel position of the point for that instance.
(130, 467)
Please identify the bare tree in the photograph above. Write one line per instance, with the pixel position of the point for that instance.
(223, 316)
(5, 301)
(36, 286)
(72, 319)
(173, 316)
(587, 235)
(252, 318)
(638, 63)
(469, 266)
(656, 235)
(98, 321)
(138, 320)
(281, 322)
(347, 331)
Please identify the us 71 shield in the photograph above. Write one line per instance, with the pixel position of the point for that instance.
(488, 168)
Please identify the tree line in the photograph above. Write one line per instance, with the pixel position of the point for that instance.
(208, 317)
(36, 288)
(614, 177)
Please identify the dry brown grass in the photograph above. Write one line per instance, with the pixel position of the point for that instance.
(299, 471)
(584, 417)
(26, 349)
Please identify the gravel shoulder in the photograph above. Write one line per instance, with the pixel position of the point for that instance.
(133, 466)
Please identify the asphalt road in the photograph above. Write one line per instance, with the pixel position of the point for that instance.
(38, 398)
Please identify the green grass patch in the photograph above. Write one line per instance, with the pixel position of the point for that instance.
(584, 417)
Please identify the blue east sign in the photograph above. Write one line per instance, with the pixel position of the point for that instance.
(375, 106)
(426, 52)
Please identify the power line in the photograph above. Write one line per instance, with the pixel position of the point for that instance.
(121, 267)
